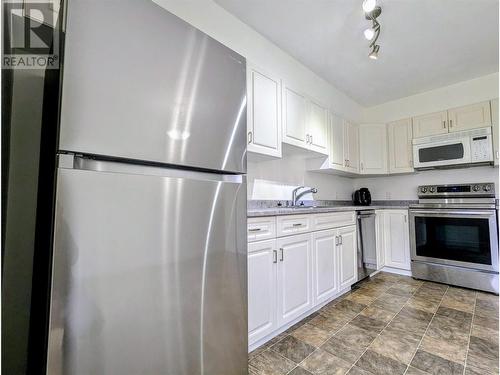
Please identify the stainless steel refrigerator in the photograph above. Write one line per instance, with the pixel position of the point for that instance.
(149, 263)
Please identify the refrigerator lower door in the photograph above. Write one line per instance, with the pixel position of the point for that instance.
(149, 272)
(140, 83)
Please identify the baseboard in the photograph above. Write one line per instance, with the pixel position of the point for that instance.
(282, 329)
(397, 271)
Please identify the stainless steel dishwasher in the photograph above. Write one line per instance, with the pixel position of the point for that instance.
(367, 256)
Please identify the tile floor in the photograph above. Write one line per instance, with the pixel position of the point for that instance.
(390, 324)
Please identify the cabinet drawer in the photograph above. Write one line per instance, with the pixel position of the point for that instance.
(261, 228)
(287, 225)
(333, 220)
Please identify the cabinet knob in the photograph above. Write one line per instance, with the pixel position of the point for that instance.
(250, 137)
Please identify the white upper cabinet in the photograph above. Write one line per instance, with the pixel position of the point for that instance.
(263, 112)
(430, 124)
(317, 128)
(262, 271)
(469, 117)
(494, 120)
(294, 118)
(400, 146)
(458, 119)
(351, 147)
(305, 122)
(336, 137)
(373, 149)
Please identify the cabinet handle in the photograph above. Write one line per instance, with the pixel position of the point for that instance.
(311, 139)
(281, 254)
(336, 240)
(250, 137)
(255, 229)
(451, 123)
(405, 218)
(275, 256)
(341, 241)
(362, 167)
(444, 124)
(297, 224)
(498, 154)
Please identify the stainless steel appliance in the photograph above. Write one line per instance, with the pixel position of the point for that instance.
(454, 235)
(453, 149)
(149, 263)
(367, 253)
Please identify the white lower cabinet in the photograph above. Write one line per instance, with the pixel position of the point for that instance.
(347, 248)
(396, 239)
(291, 274)
(294, 276)
(262, 318)
(325, 264)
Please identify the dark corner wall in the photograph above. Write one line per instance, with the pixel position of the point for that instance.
(30, 107)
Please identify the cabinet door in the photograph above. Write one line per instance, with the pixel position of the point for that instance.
(317, 126)
(430, 124)
(263, 113)
(294, 118)
(325, 274)
(351, 147)
(336, 135)
(469, 117)
(373, 149)
(396, 238)
(494, 121)
(348, 256)
(262, 258)
(400, 147)
(294, 276)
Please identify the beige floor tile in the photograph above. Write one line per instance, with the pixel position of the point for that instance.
(311, 335)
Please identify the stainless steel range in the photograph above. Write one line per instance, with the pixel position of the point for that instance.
(454, 235)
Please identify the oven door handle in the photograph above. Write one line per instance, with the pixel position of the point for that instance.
(452, 213)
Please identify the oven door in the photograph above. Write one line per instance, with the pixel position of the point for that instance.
(442, 153)
(464, 238)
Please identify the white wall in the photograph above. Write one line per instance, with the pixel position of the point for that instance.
(214, 20)
(462, 93)
(276, 179)
(404, 187)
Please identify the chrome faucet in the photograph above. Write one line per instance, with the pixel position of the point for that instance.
(296, 197)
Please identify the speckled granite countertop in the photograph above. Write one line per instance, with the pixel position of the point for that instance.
(259, 209)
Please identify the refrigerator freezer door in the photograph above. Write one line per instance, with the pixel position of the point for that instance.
(149, 273)
(140, 83)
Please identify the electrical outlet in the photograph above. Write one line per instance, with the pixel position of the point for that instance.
(388, 195)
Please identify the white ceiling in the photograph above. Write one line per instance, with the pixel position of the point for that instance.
(425, 44)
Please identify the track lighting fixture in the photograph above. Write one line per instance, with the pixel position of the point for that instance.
(372, 11)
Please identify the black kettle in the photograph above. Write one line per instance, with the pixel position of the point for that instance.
(362, 197)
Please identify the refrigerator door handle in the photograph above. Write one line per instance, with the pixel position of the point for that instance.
(81, 162)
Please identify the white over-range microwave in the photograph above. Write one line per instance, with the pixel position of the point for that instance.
(461, 148)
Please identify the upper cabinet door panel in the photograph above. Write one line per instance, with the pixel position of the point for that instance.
(400, 146)
(351, 147)
(264, 113)
(294, 118)
(430, 124)
(336, 135)
(185, 104)
(469, 117)
(317, 128)
(373, 149)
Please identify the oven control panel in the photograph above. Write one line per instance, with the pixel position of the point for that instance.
(480, 189)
